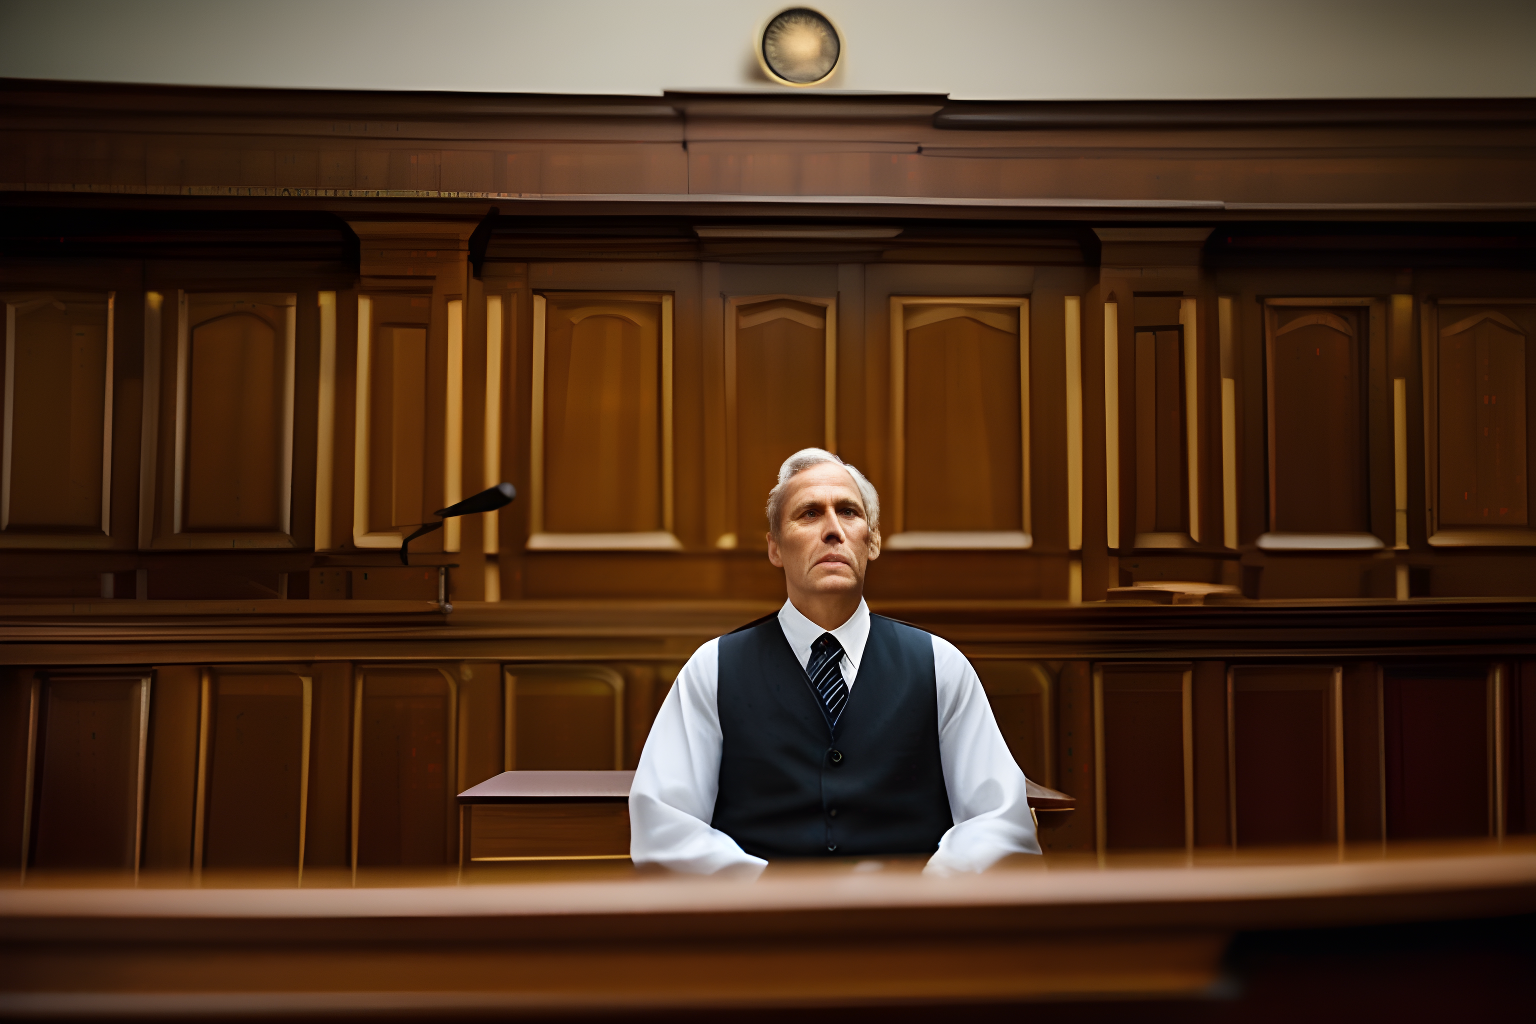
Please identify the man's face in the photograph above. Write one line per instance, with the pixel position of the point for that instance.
(824, 539)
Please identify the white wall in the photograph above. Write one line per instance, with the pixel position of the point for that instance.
(971, 49)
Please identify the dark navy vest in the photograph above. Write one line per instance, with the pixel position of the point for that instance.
(791, 786)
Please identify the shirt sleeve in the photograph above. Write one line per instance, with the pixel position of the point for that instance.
(986, 788)
(672, 799)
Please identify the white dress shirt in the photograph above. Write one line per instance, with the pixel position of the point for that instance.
(673, 797)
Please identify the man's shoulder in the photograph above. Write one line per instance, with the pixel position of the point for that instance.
(898, 626)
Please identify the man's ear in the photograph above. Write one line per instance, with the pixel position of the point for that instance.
(773, 551)
(874, 544)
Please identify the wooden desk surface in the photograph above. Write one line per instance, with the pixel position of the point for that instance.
(518, 787)
(1037, 928)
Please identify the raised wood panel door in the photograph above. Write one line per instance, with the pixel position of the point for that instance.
(601, 459)
(781, 396)
(564, 718)
(1021, 694)
(233, 475)
(1160, 402)
(1478, 392)
(960, 423)
(256, 769)
(55, 468)
(1317, 402)
(403, 777)
(1144, 747)
(1286, 750)
(1442, 743)
(90, 769)
(396, 430)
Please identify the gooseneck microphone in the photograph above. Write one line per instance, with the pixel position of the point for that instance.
(488, 500)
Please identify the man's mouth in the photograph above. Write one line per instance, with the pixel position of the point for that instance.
(832, 560)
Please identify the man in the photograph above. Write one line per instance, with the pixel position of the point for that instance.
(825, 731)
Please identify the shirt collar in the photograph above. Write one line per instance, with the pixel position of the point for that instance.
(801, 633)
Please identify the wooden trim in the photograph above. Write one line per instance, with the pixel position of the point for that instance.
(34, 708)
(668, 467)
(1100, 812)
(898, 335)
(1229, 463)
(308, 684)
(1074, 364)
(141, 781)
(491, 468)
(453, 426)
(110, 389)
(149, 429)
(536, 424)
(1231, 756)
(1497, 754)
(178, 414)
(1112, 425)
(325, 461)
(362, 439)
(1187, 696)
(1189, 316)
(200, 808)
(1336, 708)
(1400, 462)
(358, 678)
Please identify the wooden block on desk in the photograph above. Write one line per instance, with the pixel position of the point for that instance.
(529, 815)
(548, 830)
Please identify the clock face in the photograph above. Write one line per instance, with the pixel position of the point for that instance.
(800, 47)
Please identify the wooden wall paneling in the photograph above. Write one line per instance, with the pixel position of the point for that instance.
(171, 807)
(1365, 795)
(492, 459)
(1112, 499)
(645, 687)
(403, 755)
(1075, 761)
(393, 428)
(19, 698)
(325, 422)
(960, 423)
(1072, 336)
(469, 583)
(1213, 782)
(327, 836)
(1440, 754)
(1286, 742)
(1478, 431)
(1098, 571)
(852, 370)
(719, 522)
(1226, 326)
(563, 718)
(231, 422)
(602, 472)
(257, 775)
(1022, 696)
(516, 450)
(305, 429)
(882, 282)
(453, 425)
(482, 718)
(349, 306)
(1144, 756)
(1521, 731)
(781, 396)
(92, 753)
(56, 444)
(1320, 424)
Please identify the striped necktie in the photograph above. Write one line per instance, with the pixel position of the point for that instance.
(825, 670)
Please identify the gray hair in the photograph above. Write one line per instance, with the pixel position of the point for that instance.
(804, 459)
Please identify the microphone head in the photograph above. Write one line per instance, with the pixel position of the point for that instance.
(488, 500)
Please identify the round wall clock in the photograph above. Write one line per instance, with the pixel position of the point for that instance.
(799, 47)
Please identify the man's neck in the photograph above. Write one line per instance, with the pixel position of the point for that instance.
(827, 610)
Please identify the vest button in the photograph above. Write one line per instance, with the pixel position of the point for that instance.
(831, 847)
(836, 756)
(832, 813)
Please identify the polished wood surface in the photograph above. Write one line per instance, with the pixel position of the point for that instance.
(1057, 929)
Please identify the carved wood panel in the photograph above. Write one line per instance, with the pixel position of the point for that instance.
(55, 465)
(1144, 746)
(1286, 748)
(960, 423)
(602, 422)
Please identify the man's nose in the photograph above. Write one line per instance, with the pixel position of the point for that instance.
(834, 531)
